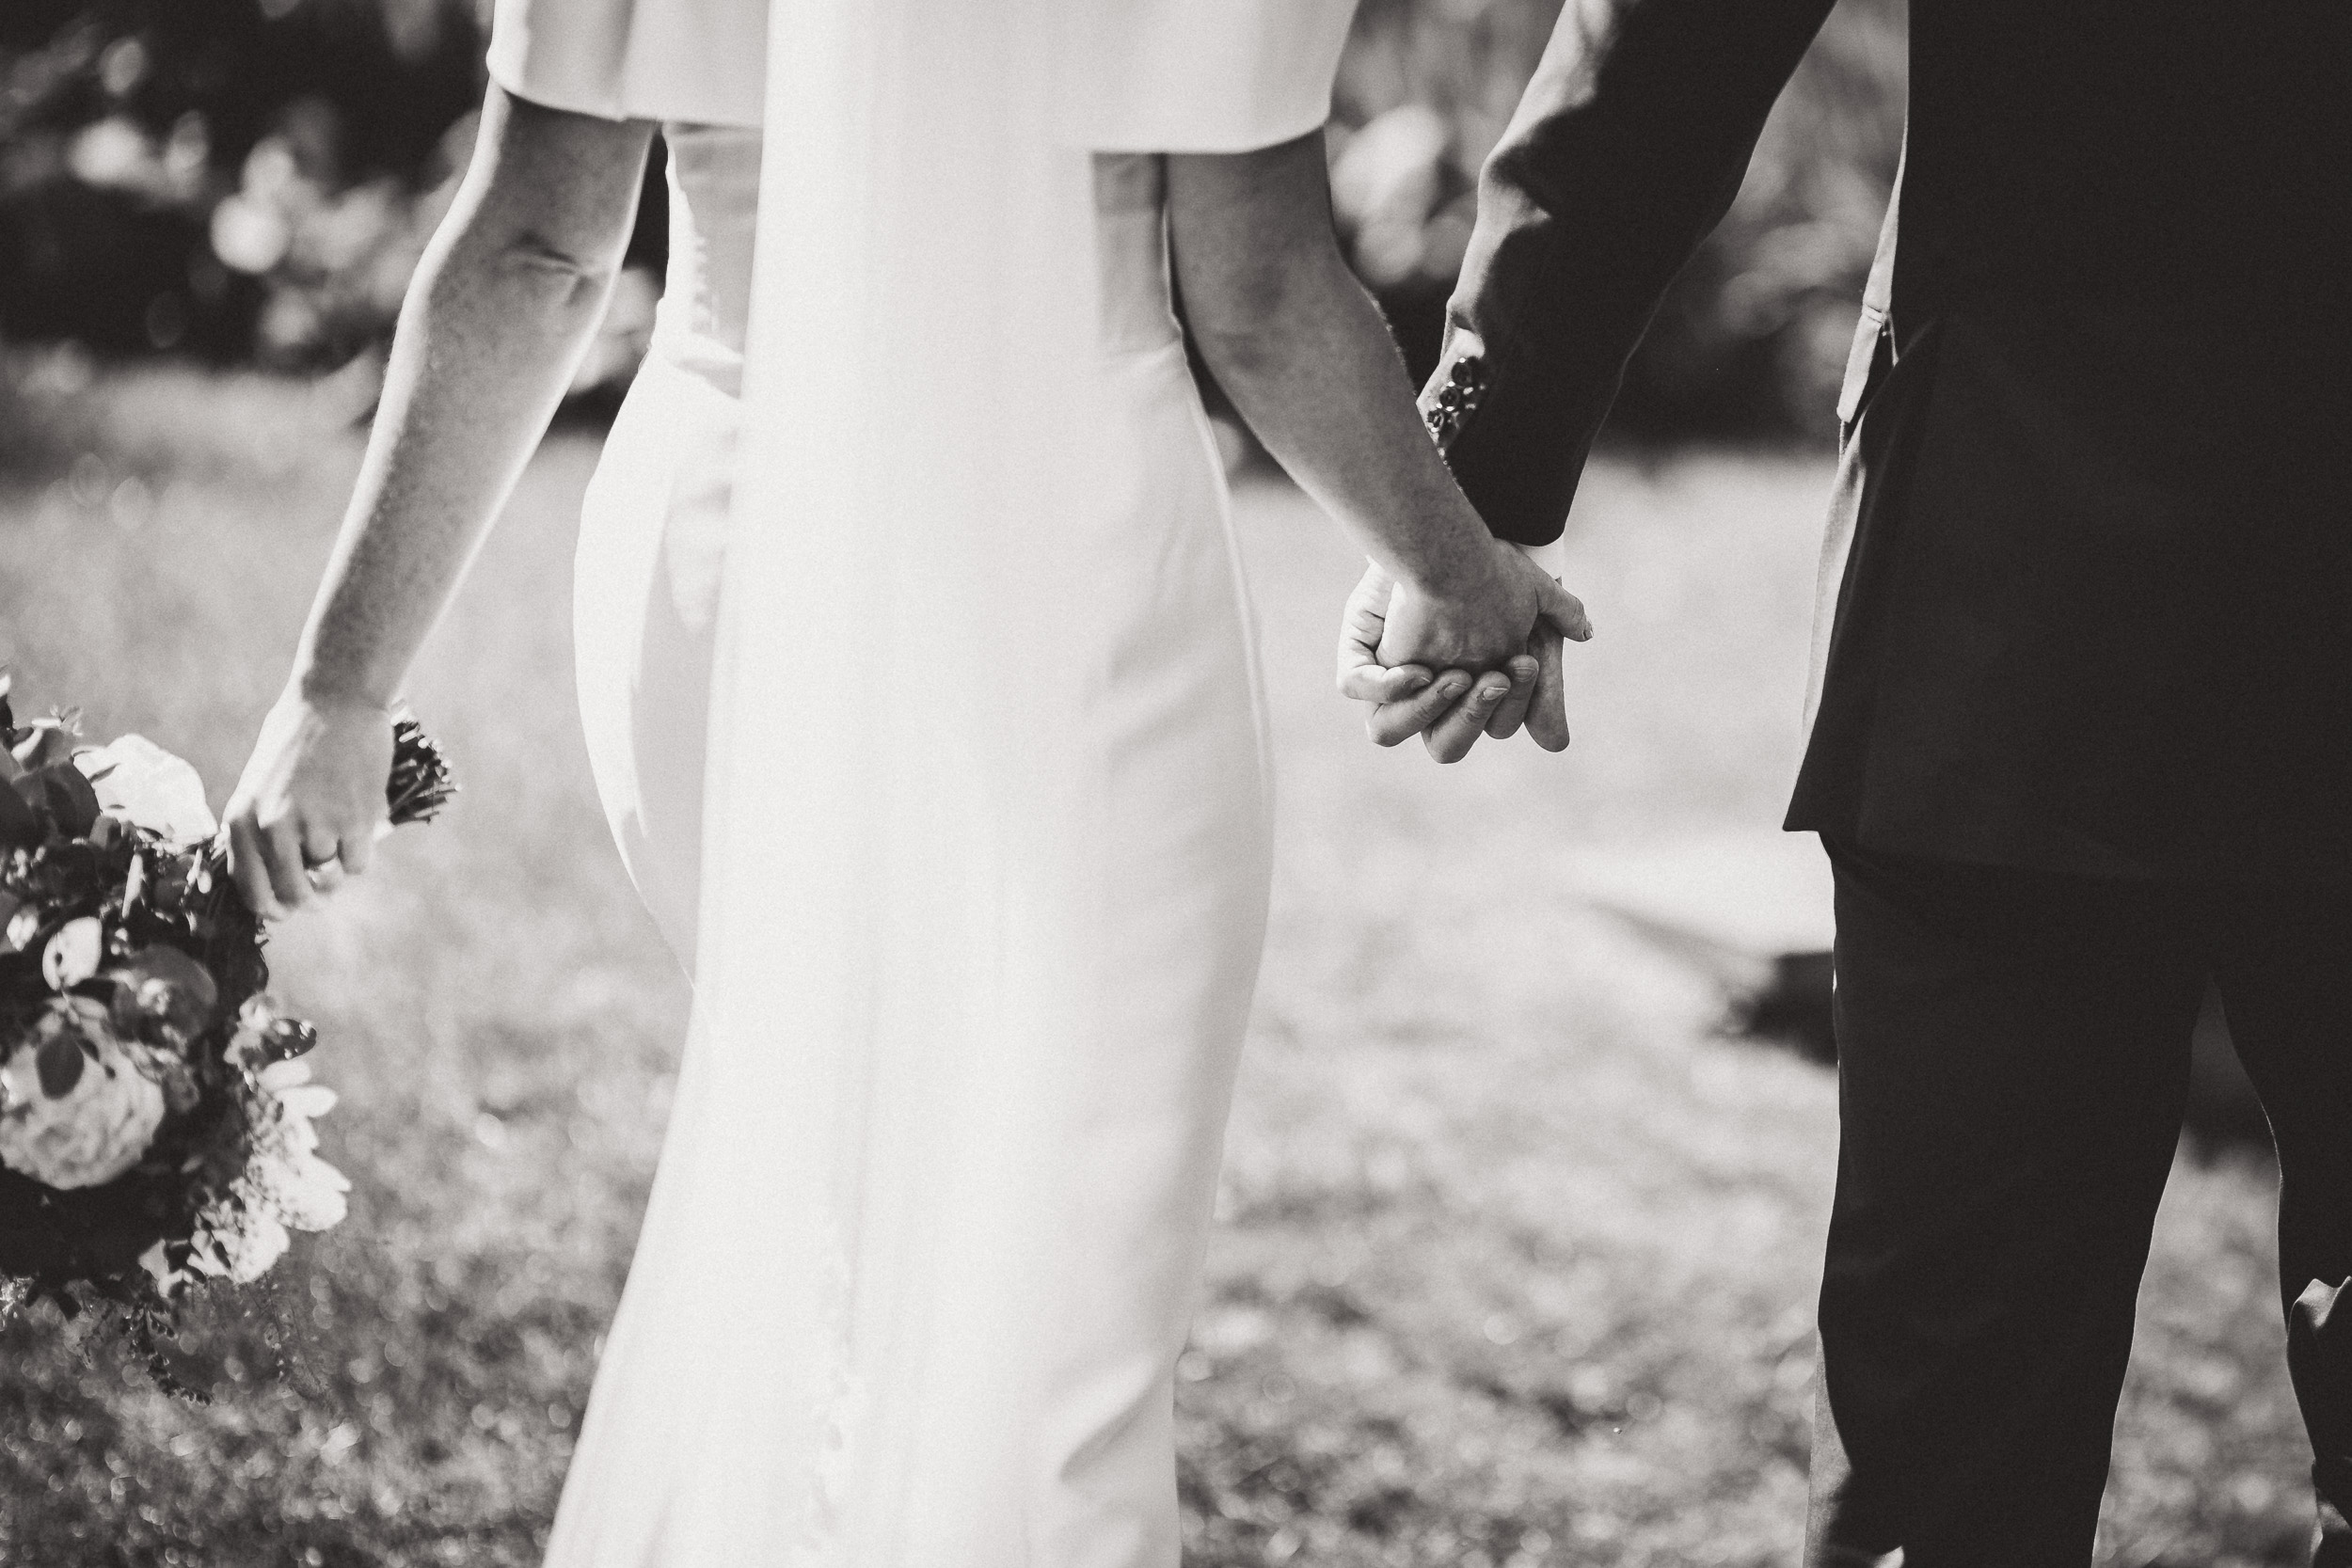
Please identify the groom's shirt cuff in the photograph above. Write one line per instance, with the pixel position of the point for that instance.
(1551, 558)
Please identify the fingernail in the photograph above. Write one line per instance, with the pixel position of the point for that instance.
(1416, 681)
(1453, 685)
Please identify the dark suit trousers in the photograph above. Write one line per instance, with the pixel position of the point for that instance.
(2013, 1069)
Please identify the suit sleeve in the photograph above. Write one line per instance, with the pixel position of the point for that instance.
(1626, 150)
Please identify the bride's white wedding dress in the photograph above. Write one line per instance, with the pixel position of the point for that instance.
(915, 665)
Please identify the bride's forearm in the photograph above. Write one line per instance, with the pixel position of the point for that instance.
(467, 394)
(504, 302)
(1327, 393)
(1308, 360)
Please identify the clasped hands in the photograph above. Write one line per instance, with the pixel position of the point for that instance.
(1453, 661)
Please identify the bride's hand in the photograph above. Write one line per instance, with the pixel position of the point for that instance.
(1482, 614)
(308, 810)
(1450, 708)
(1447, 708)
(1448, 629)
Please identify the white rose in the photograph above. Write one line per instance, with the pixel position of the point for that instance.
(102, 1122)
(138, 780)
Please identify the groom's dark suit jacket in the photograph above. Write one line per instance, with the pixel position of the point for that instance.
(2092, 549)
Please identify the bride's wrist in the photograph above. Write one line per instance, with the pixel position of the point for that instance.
(1550, 559)
(320, 688)
(1464, 570)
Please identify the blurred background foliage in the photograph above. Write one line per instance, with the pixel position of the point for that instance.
(252, 182)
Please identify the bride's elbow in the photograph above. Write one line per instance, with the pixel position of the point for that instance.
(515, 283)
(543, 220)
(1238, 353)
(555, 277)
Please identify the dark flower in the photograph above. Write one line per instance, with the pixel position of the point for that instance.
(420, 785)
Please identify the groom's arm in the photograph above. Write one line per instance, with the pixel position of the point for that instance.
(1626, 150)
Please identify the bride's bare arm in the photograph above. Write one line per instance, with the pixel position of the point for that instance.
(506, 299)
(504, 304)
(1305, 357)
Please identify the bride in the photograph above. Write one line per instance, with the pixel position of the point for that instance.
(916, 668)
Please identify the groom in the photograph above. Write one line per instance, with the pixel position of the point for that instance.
(2081, 716)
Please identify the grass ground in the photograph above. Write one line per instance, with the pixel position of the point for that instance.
(1517, 1254)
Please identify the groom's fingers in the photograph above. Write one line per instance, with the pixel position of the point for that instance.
(1511, 711)
(1396, 721)
(1564, 610)
(1450, 738)
(1547, 712)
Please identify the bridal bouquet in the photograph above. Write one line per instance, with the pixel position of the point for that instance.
(156, 1125)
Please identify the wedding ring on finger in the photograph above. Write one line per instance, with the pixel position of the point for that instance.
(325, 876)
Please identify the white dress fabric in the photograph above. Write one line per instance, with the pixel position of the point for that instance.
(916, 667)
(700, 61)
